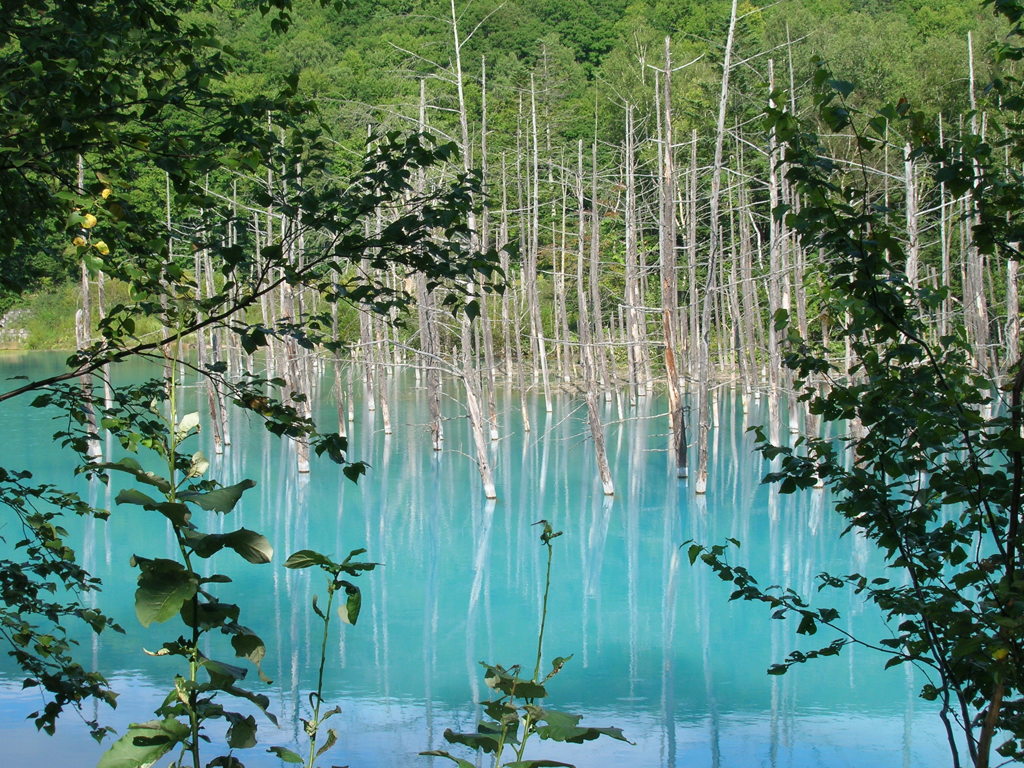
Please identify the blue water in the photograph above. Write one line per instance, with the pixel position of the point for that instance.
(659, 651)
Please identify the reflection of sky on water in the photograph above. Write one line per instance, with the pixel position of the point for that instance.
(658, 649)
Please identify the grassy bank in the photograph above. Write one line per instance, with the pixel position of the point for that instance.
(48, 316)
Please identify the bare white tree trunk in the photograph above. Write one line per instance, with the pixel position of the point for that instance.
(669, 280)
(714, 248)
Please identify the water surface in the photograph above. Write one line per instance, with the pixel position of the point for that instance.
(658, 649)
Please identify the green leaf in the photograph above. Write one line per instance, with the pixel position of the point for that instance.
(242, 733)
(144, 743)
(306, 558)
(220, 499)
(287, 755)
(457, 760)
(222, 676)
(486, 738)
(563, 726)
(132, 467)
(354, 471)
(332, 739)
(349, 612)
(843, 87)
(498, 678)
(208, 614)
(164, 586)
(177, 513)
(537, 764)
(248, 645)
(132, 496)
(188, 422)
(807, 625)
(199, 465)
(253, 547)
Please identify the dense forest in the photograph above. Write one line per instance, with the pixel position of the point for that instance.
(627, 179)
(364, 63)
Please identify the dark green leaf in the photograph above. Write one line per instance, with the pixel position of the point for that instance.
(144, 743)
(220, 499)
(286, 755)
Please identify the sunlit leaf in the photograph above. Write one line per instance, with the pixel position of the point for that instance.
(163, 586)
(188, 422)
(306, 558)
(220, 499)
(144, 743)
(199, 465)
(286, 755)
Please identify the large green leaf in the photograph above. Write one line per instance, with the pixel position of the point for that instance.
(349, 612)
(286, 755)
(564, 726)
(247, 645)
(537, 764)
(487, 737)
(219, 499)
(306, 558)
(206, 614)
(242, 732)
(164, 586)
(176, 512)
(144, 744)
(132, 467)
(498, 678)
(132, 496)
(457, 760)
(188, 422)
(577, 735)
(252, 546)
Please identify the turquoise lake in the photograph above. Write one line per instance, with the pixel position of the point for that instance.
(658, 650)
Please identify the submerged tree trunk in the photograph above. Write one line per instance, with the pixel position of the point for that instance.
(669, 280)
(714, 248)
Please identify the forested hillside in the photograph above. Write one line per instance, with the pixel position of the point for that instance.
(363, 63)
(629, 179)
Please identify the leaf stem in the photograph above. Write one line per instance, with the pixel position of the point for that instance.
(543, 611)
(314, 723)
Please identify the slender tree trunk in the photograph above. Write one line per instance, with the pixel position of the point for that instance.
(669, 280)
(714, 254)
(533, 254)
(632, 301)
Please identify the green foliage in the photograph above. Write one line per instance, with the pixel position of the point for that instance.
(169, 589)
(349, 614)
(514, 716)
(33, 619)
(930, 467)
